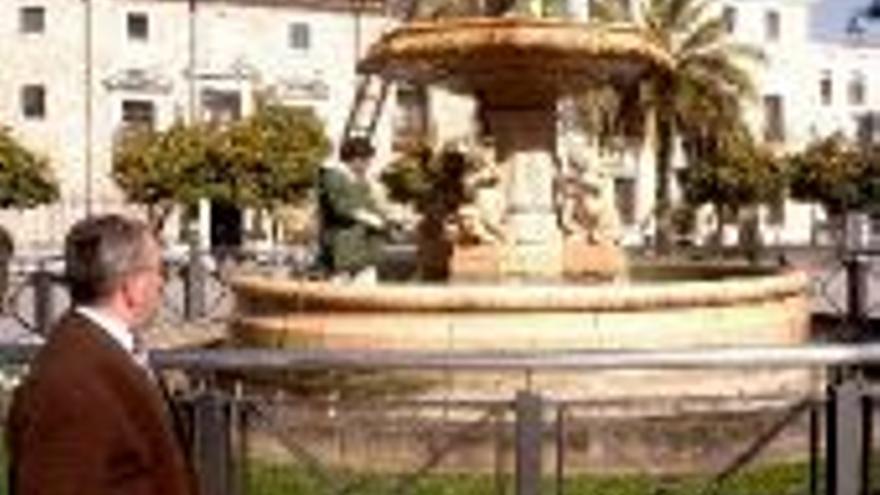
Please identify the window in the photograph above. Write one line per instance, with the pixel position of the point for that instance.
(221, 105)
(728, 16)
(868, 128)
(138, 114)
(299, 34)
(138, 26)
(826, 88)
(33, 101)
(32, 19)
(772, 25)
(774, 119)
(856, 89)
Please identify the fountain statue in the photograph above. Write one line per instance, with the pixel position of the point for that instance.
(535, 217)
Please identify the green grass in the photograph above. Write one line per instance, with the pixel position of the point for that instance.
(783, 479)
(4, 472)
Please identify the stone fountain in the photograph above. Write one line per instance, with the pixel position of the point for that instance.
(518, 69)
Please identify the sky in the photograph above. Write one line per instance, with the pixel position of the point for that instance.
(830, 18)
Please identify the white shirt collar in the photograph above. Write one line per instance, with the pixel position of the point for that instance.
(114, 327)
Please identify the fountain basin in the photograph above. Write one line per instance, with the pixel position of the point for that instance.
(759, 309)
(732, 309)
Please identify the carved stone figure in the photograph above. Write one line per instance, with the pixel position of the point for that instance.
(481, 219)
(585, 201)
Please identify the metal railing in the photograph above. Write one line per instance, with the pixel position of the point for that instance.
(529, 421)
(253, 431)
(197, 287)
(264, 421)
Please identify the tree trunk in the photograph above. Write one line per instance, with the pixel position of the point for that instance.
(717, 241)
(665, 133)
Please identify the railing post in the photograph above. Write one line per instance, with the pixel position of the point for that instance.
(44, 298)
(212, 449)
(528, 443)
(856, 267)
(856, 294)
(195, 281)
(845, 439)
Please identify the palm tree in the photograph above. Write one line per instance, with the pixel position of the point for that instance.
(701, 96)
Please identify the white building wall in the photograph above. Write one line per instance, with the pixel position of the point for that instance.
(244, 45)
(239, 45)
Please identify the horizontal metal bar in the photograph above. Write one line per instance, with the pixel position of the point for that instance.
(547, 361)
(208, 360)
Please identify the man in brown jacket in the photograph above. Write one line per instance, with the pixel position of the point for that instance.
(90, 418)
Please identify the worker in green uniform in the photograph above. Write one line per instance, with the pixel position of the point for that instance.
(352, 226)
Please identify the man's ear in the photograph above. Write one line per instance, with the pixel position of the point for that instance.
(129, 288)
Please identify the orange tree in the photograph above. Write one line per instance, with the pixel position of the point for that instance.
(26, 180)
(262, 161)
(731, 172)
(835, 173)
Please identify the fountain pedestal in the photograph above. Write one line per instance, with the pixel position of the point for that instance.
(524, 139)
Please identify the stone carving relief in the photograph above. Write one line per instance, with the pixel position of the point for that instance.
(585, 199)
(480, 220)
(138, 80)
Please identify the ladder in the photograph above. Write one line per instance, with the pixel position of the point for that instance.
(369, 98)
(372, 89)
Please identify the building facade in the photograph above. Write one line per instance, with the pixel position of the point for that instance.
(77, 71)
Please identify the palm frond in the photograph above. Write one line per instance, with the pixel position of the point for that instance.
(708, 35)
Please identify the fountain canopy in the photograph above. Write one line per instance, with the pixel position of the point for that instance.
(512, 60)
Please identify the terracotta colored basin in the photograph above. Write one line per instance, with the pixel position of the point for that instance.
(759, 309)
(737, 310)
(509, 59)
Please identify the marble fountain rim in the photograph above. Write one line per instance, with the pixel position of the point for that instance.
(310, 295)
(447, 48)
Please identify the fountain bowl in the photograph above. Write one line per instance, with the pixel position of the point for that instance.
(514, 60)
(754, 309)
(733, 308)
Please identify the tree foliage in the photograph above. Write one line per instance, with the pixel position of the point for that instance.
(162, 169)
(273, 156)
(837, 174)
(435, 182)
(730, 172)
(703, 91)
(428, 178)
(264, 160)
(26, 180)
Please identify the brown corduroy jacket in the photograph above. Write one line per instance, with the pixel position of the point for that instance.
(89, 420)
